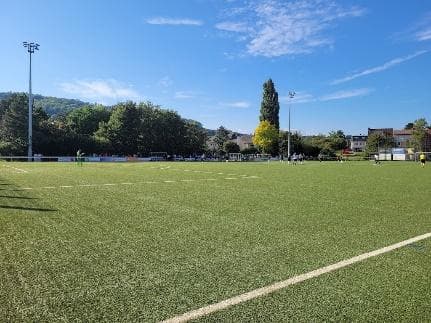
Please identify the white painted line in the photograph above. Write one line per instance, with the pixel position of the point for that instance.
(109, 184)
(206, 310)
(169, 181)
(65, 186)
(86, 185)
(27, 188)
(126, 183)
(17, 169)
(49, 187)
(187, 180)
(230, 178)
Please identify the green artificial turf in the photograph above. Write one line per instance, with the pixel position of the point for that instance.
(184, 235)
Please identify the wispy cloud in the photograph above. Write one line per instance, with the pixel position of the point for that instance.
(300, 97)
(185, 95)
(232, 26)
(419, 31)
(304, 97)
(100, 90)
(237, 104)
(174, 21)
(274, 28)
(385, 66)
(345, 94)
(165, 81)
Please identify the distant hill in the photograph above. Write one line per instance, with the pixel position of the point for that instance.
(55, 106)
(50, 104)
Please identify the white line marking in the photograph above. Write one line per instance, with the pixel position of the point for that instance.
(206, 310)
(17, 169)
(127, 183)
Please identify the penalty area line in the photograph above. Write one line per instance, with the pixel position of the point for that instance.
(206, 310)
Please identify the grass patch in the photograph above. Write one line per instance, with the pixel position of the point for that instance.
(166, 238)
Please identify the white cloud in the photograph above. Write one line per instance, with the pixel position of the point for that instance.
(232, 26)
(385, 66)
(165, 81)
(174, 21)
(100, 90)
(419, 31)
(184, 95)
(424, 34)
(300, 97)
(237, 104)
(274, 28)
(345, 94)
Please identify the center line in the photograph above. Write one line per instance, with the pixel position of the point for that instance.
(206, 310)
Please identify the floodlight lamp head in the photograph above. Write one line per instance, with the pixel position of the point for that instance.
(25, 44)
(291, 94)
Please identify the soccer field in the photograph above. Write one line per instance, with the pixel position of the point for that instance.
(150, 241)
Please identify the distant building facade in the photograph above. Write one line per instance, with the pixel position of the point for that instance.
(244, 141)
(358, 143)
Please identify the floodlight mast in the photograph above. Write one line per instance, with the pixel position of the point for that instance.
(31, 47)
(291, 96)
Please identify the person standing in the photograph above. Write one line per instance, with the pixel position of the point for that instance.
(79, 155)
(422, 158)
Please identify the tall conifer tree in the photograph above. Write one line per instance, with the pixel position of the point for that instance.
(269, 108)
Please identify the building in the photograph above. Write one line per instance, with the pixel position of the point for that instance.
(244, 141)
(387, 132)
(402, 138)
(358, 143)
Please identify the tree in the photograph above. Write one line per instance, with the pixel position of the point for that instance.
(14, 124)
(231, 147)
(337, 140)
(221, 136)
(265, 136)
(408, 126)
(377, 141)
(85, 120)
(195, 137)
(296, 142)
(121, 131)
(419, 134)
(270, 107)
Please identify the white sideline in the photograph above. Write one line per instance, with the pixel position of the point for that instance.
(206, 310)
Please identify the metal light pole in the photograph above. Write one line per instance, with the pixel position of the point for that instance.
(31, 47)
(291, 95)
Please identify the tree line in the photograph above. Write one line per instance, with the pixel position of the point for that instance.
(127, 128)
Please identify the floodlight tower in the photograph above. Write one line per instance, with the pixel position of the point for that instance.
(31, 47)
(291, 96)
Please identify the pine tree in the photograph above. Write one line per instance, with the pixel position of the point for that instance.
(269, 108)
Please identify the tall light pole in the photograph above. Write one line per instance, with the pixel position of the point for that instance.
(291, 96)
(31, 47)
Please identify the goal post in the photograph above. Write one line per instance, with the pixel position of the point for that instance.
(235, 156)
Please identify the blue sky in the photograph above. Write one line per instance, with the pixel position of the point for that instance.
(352, 64)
